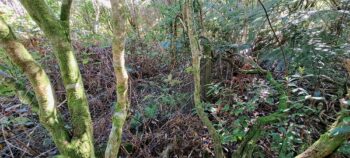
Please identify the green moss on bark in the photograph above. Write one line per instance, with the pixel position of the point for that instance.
(57, 32)
(194, 45)
(327, 143)
(48, 114)
(119, 16)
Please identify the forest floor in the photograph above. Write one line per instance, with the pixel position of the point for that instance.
(161, 122)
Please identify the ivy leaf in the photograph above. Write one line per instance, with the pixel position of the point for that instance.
(346, 120)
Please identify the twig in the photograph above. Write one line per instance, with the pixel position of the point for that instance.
(7, 143)
(28, 149)
(64, 101)
(23, 150)
(275, 35)
(45, 153)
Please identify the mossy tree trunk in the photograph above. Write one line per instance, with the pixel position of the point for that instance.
(57, 31)
(48, 115)
(327, 143)
(196, 55)
(333, 138)
(119, 16)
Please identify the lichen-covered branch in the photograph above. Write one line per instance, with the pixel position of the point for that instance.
(58, 34)
(329, 141)
(119, 16)
(40, 82)
(194, 45)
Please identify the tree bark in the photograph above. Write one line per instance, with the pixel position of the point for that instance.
(96, 22)
(48, 115)
(194, 45)
(57, 31)
(119, 16)
(206, 66)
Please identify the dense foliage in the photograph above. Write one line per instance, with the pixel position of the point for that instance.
(273, 77)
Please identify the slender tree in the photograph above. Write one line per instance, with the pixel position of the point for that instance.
(119, 16)
(58, 32)
(48, 115)
(96, 23)
(196, 56)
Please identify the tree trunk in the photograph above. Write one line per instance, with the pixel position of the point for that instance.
(119, 16)
(48, 115)
(57, 31)
(194, 45)
(206, 64)
(96, 23)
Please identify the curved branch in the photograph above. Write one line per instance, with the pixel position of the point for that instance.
(195, 50)
(58, 34)
(48, 114)
(327, 143)
(119, 16)
(275, 35)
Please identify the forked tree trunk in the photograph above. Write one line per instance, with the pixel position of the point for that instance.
(119, 16)
(48, 115)
(57, 31)
(194, 45)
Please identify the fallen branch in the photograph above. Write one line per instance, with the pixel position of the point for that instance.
(332, 139)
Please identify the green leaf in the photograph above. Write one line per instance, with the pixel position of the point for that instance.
(6, 91)
(136, 121)
(346, 120)
(189, 70)
(20, 120)
(85, 61)
(151, 111)
(340, 130)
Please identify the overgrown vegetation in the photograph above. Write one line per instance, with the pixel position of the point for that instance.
(179, 78)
